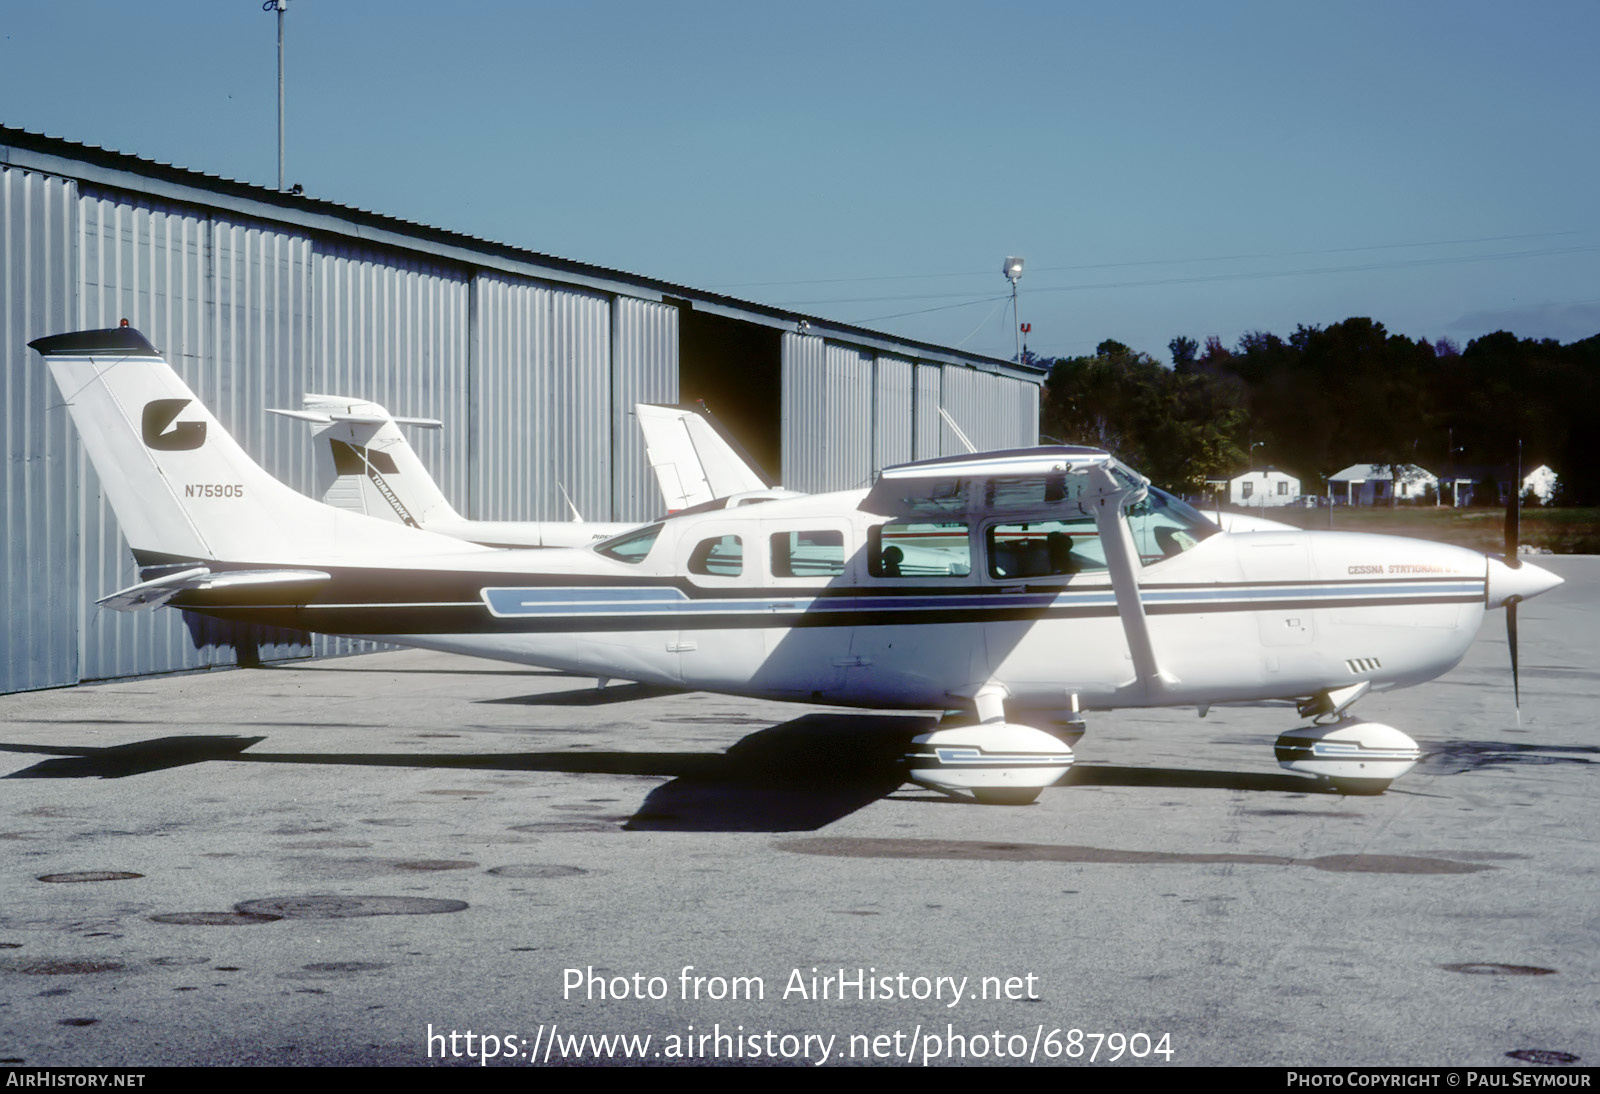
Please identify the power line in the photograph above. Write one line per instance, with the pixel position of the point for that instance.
(1156, 261)
(1363, 268)
(1241, 276)
(943, 307)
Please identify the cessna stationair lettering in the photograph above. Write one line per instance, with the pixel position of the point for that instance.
(1024, 586)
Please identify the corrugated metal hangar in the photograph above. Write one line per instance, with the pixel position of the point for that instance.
(534, 363)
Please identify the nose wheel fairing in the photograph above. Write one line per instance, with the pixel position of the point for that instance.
(1356, 756)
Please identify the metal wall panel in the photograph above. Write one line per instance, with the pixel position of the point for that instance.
(644, 355)
(510, 383)
(993, 411)
(958, 395)
(541, 401)
(1022, 399)
(827, 415)
(578, 416)
(929, 428)
(804, 359)
(39, 582)
(847, 439)
(893, 412)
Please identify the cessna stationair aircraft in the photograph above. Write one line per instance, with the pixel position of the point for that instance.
(1027, 585)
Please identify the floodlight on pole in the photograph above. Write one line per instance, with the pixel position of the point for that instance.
(1013, 272)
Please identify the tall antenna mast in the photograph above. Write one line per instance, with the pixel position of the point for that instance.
(279, 6)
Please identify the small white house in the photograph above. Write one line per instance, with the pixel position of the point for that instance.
(1541, 482)
(1264, 488)
(1380, 483)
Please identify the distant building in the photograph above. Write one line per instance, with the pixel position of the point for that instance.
(1484, 485)
(1541, 482)
(1380, 483)
(1264, 488)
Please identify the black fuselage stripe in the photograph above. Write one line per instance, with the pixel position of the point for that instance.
(476, 619)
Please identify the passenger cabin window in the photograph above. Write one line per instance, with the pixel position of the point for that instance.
(630, 547)
(1043, 548)
(719, 556)
(937, 550)
(817, 554)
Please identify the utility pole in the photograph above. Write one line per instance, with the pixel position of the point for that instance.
(279, 6)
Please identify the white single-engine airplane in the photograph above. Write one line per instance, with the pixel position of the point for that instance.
(363, 463)
(1057, 585)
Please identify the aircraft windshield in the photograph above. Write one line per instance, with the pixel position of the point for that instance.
(1164, 526)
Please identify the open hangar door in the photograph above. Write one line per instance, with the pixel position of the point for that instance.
(736, 369)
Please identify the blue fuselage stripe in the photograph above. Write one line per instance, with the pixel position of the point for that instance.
(611, 600)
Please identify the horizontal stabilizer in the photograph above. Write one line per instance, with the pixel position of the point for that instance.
(328, 417)
(156, 592)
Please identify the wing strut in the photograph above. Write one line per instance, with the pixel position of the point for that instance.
(1108, 497)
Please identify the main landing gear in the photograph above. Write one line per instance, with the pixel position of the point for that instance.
(995, 761)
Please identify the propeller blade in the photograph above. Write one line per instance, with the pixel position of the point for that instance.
(1514, 514)
(1511, 640)
(1512, 559)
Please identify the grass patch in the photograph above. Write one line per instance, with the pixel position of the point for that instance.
(1562, 531)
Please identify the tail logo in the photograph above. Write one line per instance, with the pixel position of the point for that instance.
(355, 459)
(183, 437)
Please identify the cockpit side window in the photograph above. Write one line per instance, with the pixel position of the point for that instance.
(1043, 548)
(630, 547)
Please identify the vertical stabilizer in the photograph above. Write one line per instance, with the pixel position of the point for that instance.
(365, 464)
(693, 460)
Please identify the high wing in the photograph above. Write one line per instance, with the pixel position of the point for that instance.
(1042, 480)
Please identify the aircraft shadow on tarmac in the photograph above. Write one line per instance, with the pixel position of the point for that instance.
(800, 775)
(588, 697)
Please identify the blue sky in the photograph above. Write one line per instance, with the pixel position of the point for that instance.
(1165, 168)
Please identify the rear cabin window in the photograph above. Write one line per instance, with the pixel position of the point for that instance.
(818, 554)
(938, 550)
